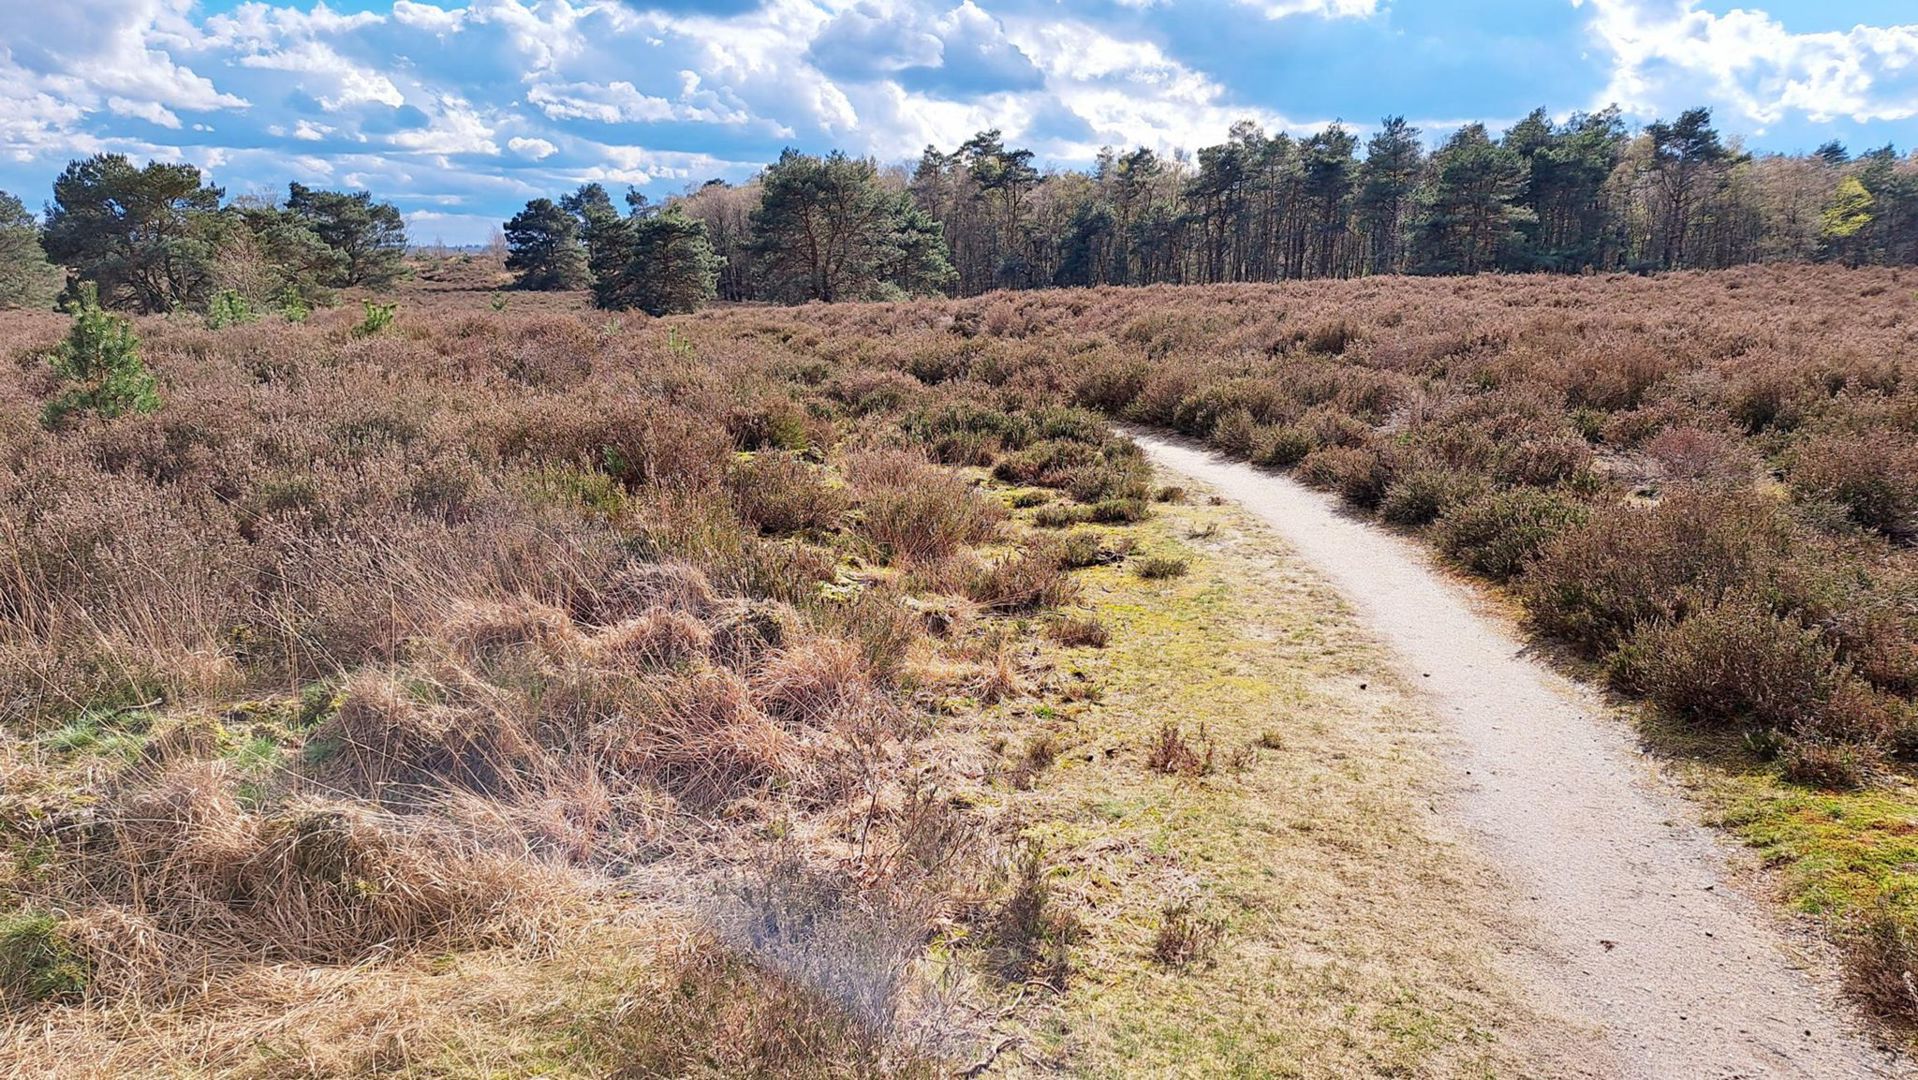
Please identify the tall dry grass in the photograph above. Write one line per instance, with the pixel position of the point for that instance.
(465, 636)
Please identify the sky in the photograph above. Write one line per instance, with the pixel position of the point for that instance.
(460, 111)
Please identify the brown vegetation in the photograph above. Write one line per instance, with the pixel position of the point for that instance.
(475, 631)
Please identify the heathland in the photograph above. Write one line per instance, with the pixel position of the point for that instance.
(489, 685)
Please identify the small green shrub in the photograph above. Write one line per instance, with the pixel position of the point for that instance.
(229, 308)
(100, 362)
(1086, 547)
(1060, 516)
(294, 307)
(1498, 533)
(1121, 511)
(377, 318)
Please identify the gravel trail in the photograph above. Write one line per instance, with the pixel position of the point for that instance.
(1633, 913)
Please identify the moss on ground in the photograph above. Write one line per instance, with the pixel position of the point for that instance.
(37, 963)
(1848, 860)
(1355, 933)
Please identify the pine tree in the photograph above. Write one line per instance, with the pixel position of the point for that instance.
(823, 227)
(542, 246)
(144, 235)
(100, 362)
(26, 278)
(1472, 216)
(671, 268)
(1387, 181)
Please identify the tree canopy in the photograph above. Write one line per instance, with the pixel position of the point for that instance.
(370, 236)
(26, 278)
(542, 244)
(144, 236)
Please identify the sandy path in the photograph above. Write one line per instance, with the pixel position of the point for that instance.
(1639, 924)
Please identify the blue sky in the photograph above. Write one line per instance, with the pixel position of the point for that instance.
(461, 110)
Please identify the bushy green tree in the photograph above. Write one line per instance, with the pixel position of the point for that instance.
(369, 236)
(272, 256)
(100, 365)
(542, 245)
(27, 280)
(671, 267)
(1845, 217)
(144, 236)
(1471, 212)
(826, 229)
(608, 238)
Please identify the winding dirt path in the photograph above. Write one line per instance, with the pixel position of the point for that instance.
(1637, 921)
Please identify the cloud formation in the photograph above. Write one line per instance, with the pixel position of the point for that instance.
(1751, 65)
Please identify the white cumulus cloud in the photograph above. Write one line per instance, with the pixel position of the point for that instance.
(1667, 54)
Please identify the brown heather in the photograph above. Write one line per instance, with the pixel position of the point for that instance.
(487, 633)
(498, 630)
(1630, 452)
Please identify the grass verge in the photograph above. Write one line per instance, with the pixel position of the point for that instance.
(1290, 904)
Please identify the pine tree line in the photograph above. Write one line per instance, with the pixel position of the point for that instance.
(1585, 194)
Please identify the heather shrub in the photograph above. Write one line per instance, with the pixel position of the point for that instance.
(1186, 936)
(1160, 567)
(1497, 534)
(1692, 455)
(1061, 516)
(1733, 662)
(1236, 433)
(1111, 386)
(1086, 547)
(915, 512)
(961, 433)
(781, 494)
(1078, 631)
(1359, 476)
(1249, 401)
(1595, 582)
(706, 1007)
(1029, 580)
(1121, 511)
(1874, 478)
(1281, 447)
(1419, 496)
(1824, 763)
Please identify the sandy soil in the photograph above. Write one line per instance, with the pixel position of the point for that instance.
(1632, 908)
